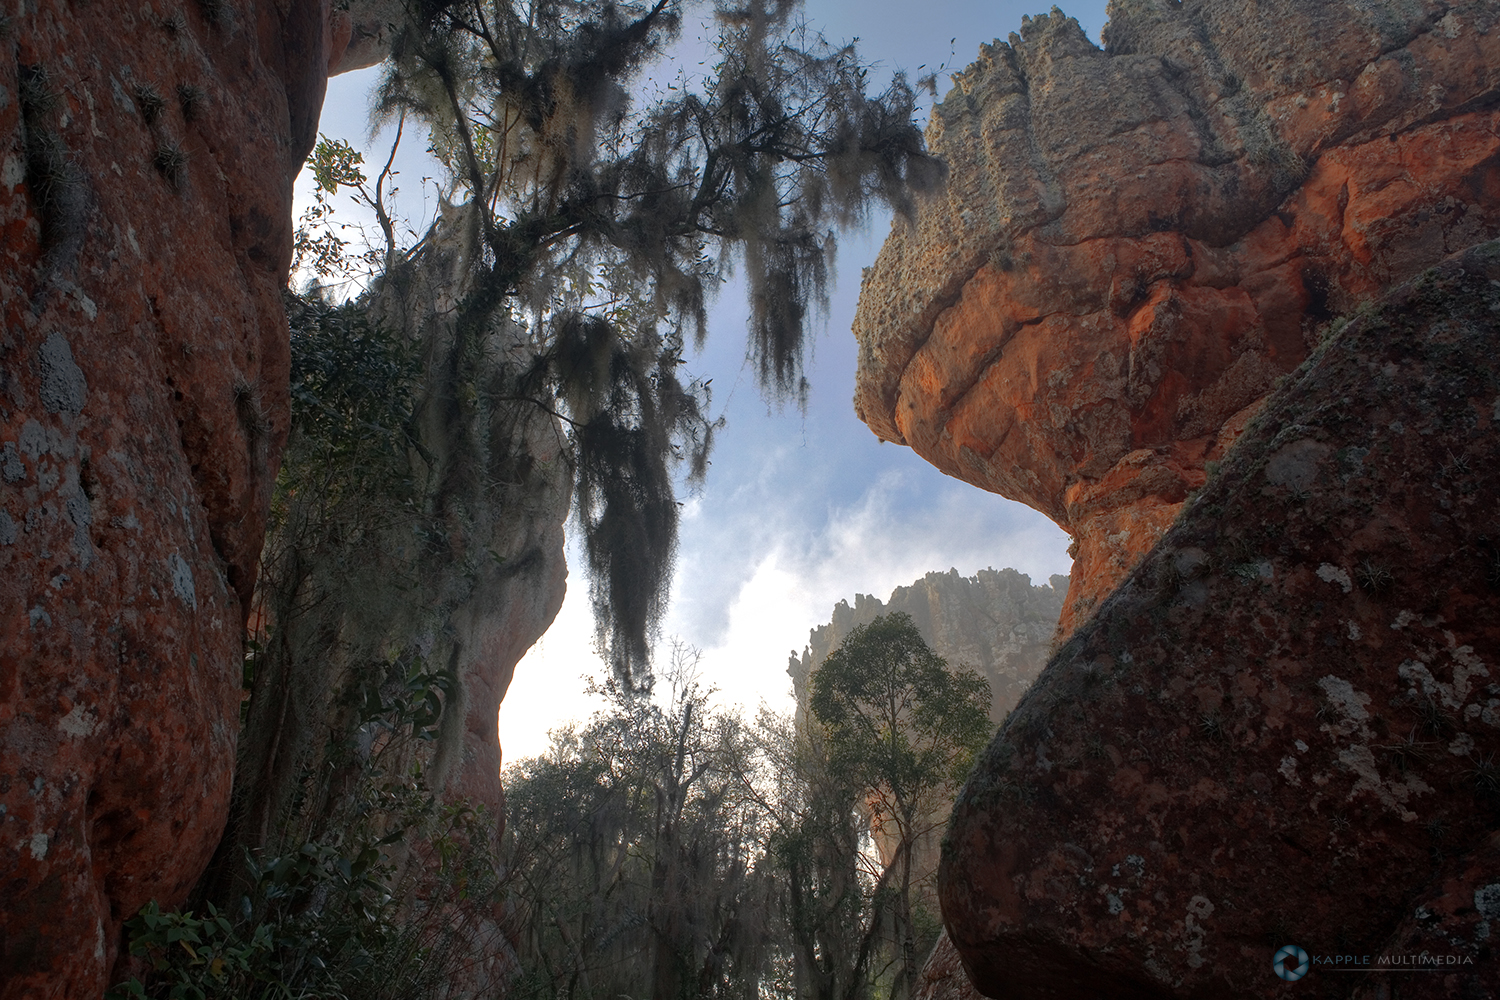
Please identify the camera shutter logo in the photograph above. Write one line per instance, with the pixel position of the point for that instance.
(1290, 962)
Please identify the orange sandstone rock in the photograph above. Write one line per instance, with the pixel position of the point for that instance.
(1137, 242)
(146, 164)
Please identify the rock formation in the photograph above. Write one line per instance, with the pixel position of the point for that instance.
(1282, 727)
(1136, 243)
(1279, 728)
(994, 621)
(145, 191)
(147, 172)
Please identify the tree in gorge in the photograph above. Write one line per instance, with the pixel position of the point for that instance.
(596, 231)
(634, 855)
(524, 356)
(902, 728)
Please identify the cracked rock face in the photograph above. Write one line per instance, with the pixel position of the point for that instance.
(1137, 242)
(146, 164)
(1282, 727)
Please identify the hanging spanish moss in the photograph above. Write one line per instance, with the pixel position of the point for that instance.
(605, 228)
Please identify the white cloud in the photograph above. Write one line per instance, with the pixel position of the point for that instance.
(780, 580)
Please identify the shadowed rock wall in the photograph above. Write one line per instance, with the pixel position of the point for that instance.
(1282, 727)
(147, 155)
(1137, 242)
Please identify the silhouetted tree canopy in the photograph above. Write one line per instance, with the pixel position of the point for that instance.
(603, 228)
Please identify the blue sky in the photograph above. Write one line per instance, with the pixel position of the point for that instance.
(799, 510)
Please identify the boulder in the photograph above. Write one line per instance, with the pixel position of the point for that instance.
(146, 174)
(1282, 728)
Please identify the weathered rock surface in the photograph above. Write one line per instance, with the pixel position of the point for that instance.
(995, 621)
(1283, 726)
(146, 162)
(1135, 243)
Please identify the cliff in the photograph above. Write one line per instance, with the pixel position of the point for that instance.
(1282, 727)
(1137, 242)
(147, 155)
(994, 621)
(1272, 723)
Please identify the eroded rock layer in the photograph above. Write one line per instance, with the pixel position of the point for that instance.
(147, 153)
(1137, 242)
(1282, 727)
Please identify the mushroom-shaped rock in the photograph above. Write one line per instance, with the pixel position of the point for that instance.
(1137, 242)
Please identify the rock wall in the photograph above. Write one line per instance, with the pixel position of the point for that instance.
(1137, 242)
(147, 154)
(1282, 727)
(994, 621)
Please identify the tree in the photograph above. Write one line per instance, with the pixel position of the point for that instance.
(527, 350)
(634, 854)
(833, 903)
(903, 728)
(596, 232)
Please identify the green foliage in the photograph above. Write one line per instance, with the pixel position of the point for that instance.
(318, 921)
(900, 722)
(353, 386)
(902, 727)
(333, 163)
(636, 850)
(833, 899)
(354, 893)
(317, 245)
(371, 883)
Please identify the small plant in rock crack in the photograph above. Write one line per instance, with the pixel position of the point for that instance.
(1092, 675)
(171, 159)
(37, 96)
(1484, 775)
(1458, 465)
(1373, 578)
(190, 98)
(56, 185)
(1408, 753)
(1169, 577)
(1433, 718)
(150, 101)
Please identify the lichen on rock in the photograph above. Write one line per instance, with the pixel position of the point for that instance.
(133, 505)
(1286, 759)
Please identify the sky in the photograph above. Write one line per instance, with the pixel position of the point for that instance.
(801, 509)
